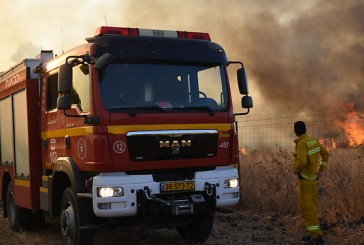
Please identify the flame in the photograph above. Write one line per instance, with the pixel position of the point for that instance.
(354, 131)
(328, 143)
(244, 151)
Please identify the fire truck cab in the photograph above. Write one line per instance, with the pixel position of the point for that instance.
(135, 125)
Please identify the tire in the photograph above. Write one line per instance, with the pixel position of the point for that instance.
(19, 217)
(70, 221)
(197, 231)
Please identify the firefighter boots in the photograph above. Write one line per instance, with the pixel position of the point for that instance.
(315, 241)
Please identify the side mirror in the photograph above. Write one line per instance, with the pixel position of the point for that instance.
(65, 79)
(247, 102)
(103, 61)
(64, 86)
(242, 81)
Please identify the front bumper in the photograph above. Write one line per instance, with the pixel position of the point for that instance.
(143, 194)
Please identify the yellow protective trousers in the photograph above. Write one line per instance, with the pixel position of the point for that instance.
(308, 200)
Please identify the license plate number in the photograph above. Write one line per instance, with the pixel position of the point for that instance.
(178, 186)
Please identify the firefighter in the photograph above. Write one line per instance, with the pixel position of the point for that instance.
(310, 159)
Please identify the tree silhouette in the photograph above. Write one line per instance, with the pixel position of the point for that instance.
(25, 50)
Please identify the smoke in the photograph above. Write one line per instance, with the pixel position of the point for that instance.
(24, 50)
(306, 58)
(300, 56)
(315, 62)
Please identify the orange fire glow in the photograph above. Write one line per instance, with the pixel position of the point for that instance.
(328, 143)
(244, 151)
(353, 129)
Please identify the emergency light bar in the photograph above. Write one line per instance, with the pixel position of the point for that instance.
(125, 31)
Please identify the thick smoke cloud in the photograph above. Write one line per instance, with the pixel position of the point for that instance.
(319, 60)
(303, 59)
(25, 50)
(301, 56)
(315, 62)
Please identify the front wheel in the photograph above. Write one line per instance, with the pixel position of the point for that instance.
(70, 221)
(197, 231)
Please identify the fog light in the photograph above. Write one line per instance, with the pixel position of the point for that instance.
(231, 183)
(104, 206)
(110, 192)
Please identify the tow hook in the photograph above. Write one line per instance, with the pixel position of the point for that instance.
(210, 188)
(150, 196)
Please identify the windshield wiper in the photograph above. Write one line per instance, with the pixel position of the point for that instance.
(132, 110)
(203, 108)
(150, 107)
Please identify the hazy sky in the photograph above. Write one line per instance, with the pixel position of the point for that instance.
(301, 56)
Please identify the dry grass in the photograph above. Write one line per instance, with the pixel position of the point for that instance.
(269, 185)
(268, 212)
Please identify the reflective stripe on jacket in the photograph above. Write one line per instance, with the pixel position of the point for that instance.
(310, 157)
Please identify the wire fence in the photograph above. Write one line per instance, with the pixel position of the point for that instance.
(334, 130)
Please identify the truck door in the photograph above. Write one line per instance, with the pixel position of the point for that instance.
(79, 135)
(53, 123)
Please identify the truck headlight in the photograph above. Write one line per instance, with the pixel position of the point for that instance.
(231, 183)
(110, 191)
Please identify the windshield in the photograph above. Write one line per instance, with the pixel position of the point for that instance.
(146, 86)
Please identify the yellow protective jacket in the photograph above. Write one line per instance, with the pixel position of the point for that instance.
(310, 157)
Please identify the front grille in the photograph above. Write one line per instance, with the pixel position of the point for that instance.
(172, 145)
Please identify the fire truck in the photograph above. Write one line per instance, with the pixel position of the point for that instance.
(134, 127)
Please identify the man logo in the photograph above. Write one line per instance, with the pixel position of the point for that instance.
(175, 143)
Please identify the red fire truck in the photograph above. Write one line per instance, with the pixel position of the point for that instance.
(134, 127)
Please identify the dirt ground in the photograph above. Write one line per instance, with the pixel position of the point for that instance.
(232, 226)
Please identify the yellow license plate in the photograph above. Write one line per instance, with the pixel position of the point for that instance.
(178, 186)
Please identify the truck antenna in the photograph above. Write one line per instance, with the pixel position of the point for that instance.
(62, 40)
(105, 20)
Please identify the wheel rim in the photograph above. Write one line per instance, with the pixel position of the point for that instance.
(11, 207)
(68, 223)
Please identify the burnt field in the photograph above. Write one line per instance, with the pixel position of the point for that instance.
(232, 226)
(267, 214)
